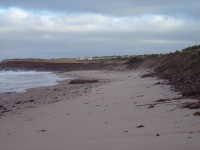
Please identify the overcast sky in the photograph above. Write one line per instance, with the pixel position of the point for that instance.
(71, 28)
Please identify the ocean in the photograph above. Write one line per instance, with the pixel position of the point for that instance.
(19, 81)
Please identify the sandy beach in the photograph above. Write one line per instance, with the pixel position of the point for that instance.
(120, 112)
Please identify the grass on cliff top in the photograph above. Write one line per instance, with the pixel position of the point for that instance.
(103, 60)
(107, 60)
(181, 61)
(64, 60)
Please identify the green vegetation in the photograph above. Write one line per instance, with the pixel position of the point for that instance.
(191, 48)
(134, 60)
(62, 60)
(116, 60)
(181, 61)
(152, 56)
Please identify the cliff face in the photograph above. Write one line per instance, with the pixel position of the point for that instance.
(182, 69)
(46, 66)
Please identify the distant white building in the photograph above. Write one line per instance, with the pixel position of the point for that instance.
(84, 58)
(89, 58)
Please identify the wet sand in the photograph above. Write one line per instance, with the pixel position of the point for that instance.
(120, 113)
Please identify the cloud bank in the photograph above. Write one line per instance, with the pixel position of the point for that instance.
(50, 31)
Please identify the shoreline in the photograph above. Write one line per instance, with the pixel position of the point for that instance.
(19, 81)
(16, 102)
(114, 113)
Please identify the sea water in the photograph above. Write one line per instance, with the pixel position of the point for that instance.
(19, 81)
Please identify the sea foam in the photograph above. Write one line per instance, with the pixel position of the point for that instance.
(19, 81)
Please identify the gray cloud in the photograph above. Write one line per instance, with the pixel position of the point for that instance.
(113, 7)
(62, 28)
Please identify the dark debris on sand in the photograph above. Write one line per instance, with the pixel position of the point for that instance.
(82, 81)
(192, 105)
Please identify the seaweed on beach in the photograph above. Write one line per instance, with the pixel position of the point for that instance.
(82, 81)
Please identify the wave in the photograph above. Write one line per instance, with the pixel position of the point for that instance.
(19, 81)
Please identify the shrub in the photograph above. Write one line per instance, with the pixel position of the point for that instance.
(133, 60)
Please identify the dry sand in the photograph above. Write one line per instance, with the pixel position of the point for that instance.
(110, 115)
